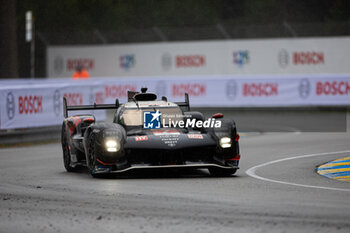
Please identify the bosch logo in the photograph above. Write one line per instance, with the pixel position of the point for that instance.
(283, 58)
(304, 88)
(161, 88)
(96, 96)
(308, 58)
(260, 89)
(193, 89)
(333, 88)
(166, 61)
(74, 98)
(91, 96)
(58, 65)
(87, 63)
(30, 104)
(118, 91)
(10, 106)
(231, 89)
(57, 102)
(184, 61)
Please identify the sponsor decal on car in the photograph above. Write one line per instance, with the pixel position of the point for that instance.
(195, 136)
(100, 168)
(141, 138)
(169, 139)
(165, 132)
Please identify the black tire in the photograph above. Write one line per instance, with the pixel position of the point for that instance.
(66, 152)
(221, 172)
(91, 160)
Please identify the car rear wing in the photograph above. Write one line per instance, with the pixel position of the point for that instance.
(66, 108)
(184, 105)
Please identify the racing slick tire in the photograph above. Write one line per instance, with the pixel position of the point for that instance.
(219, 172)
(66, 152)
(91, 153)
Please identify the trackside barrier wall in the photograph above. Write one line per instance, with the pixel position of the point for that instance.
(293, 56)
(36, 103)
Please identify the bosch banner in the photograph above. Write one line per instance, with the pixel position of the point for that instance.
(229, 57)
(39, 103)
(24, 106)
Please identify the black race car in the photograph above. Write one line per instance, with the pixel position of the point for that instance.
(146, 133)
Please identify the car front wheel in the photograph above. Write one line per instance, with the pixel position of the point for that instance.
(66, 151)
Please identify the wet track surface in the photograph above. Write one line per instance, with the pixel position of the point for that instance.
(37, 195)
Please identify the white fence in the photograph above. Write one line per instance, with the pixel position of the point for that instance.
(34, 103)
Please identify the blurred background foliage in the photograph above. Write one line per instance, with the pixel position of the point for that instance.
(126, 14)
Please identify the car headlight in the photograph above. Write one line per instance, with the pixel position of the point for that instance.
(225, 142)
(112, 146)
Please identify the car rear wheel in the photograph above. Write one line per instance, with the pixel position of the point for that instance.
(220, 172)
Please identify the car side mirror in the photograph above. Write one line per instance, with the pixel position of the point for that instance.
(218, 115)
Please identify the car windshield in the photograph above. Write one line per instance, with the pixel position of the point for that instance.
(134, 117)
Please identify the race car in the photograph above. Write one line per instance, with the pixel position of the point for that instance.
(147, 133)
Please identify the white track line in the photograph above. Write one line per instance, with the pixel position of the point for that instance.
(252, 171)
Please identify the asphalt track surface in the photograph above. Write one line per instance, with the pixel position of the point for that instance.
(37, 195)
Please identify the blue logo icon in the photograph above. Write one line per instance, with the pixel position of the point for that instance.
(127, 61)
(151, 120)
(241, 57)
